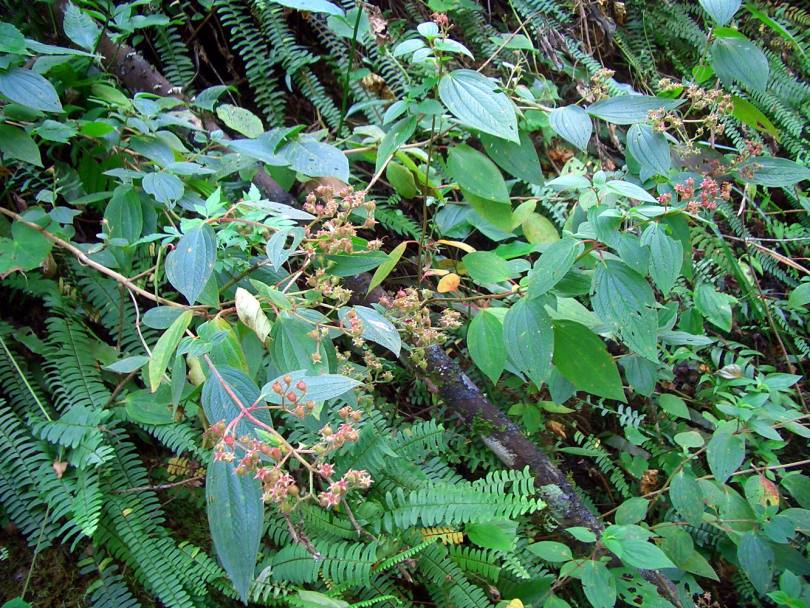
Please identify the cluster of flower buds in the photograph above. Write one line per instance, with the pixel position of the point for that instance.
(292, 397)
(337, 230)
(710, 192)
(331, 439)
(359, 480)
(277, 485)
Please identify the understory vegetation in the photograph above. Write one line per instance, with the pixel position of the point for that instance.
(416, 303)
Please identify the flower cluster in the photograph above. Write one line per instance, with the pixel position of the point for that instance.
(333, 211)
(710, 192)
(352, 480)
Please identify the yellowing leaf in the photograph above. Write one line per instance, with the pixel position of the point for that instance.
(457, 244)
(449, 282)
(447, 535)
(515, 603)
(250, 313)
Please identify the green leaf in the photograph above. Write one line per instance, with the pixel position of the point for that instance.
(650, 149)
(29, 89)
(165, 347)
(539, 230)
(219, 404)
(499, 216)
(583, 359)
(476, 174)
(800, 296)
(207, 98)
(721, 10)
(80, 27)
(583, 535)
(316, 159)
(674, 405)
(402, 180)
(318, 388)
(573, 124)
(240, 120)
(397, 135)
(757, 560)
(26, 250)
(553, 265)
(687, 497)
(313, 599)
(486, 267)
(551, 551)
(486, 344)
(236, 520)
(17, 144)
(715, 306)
(598, 584)
(666, 256)
(629, 190)
(740, 60)
(123, 215)
(725, 452)
(632, 511)
(353, 264)
(498, 535)
(165, 187)
(627, 109)
(128, 364)
(148, 408)
(774, 172)
(387, 266)
(476, 102)
(642, 554)
(625, 300)
(375, 327)
(529, 337)
(191, 263)
(293, 346)
(312, 6)
(519, 160)
(11, 40)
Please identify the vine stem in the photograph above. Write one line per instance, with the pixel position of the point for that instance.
(84, 259)
(24, 379)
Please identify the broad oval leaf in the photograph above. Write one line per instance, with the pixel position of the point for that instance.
(123, 215)
(650, 149)
(191, 263)
(666, 256)
(476, 102)
(165, 187)
(236, 520)
(774, 172)
(17, 144)
(551, 551)
(29, 89)
(80, 27)
(573, 124)
(486, 345)
(519, 160)
(740, 60)
(627, 109)
(529, 337)
(487, 267)
(553, 265)
(316, 159)
(687, 497)
(240, 120)
(583, 359)
(476, 174)
(756, 559)
(725, 452)
(721, 10)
